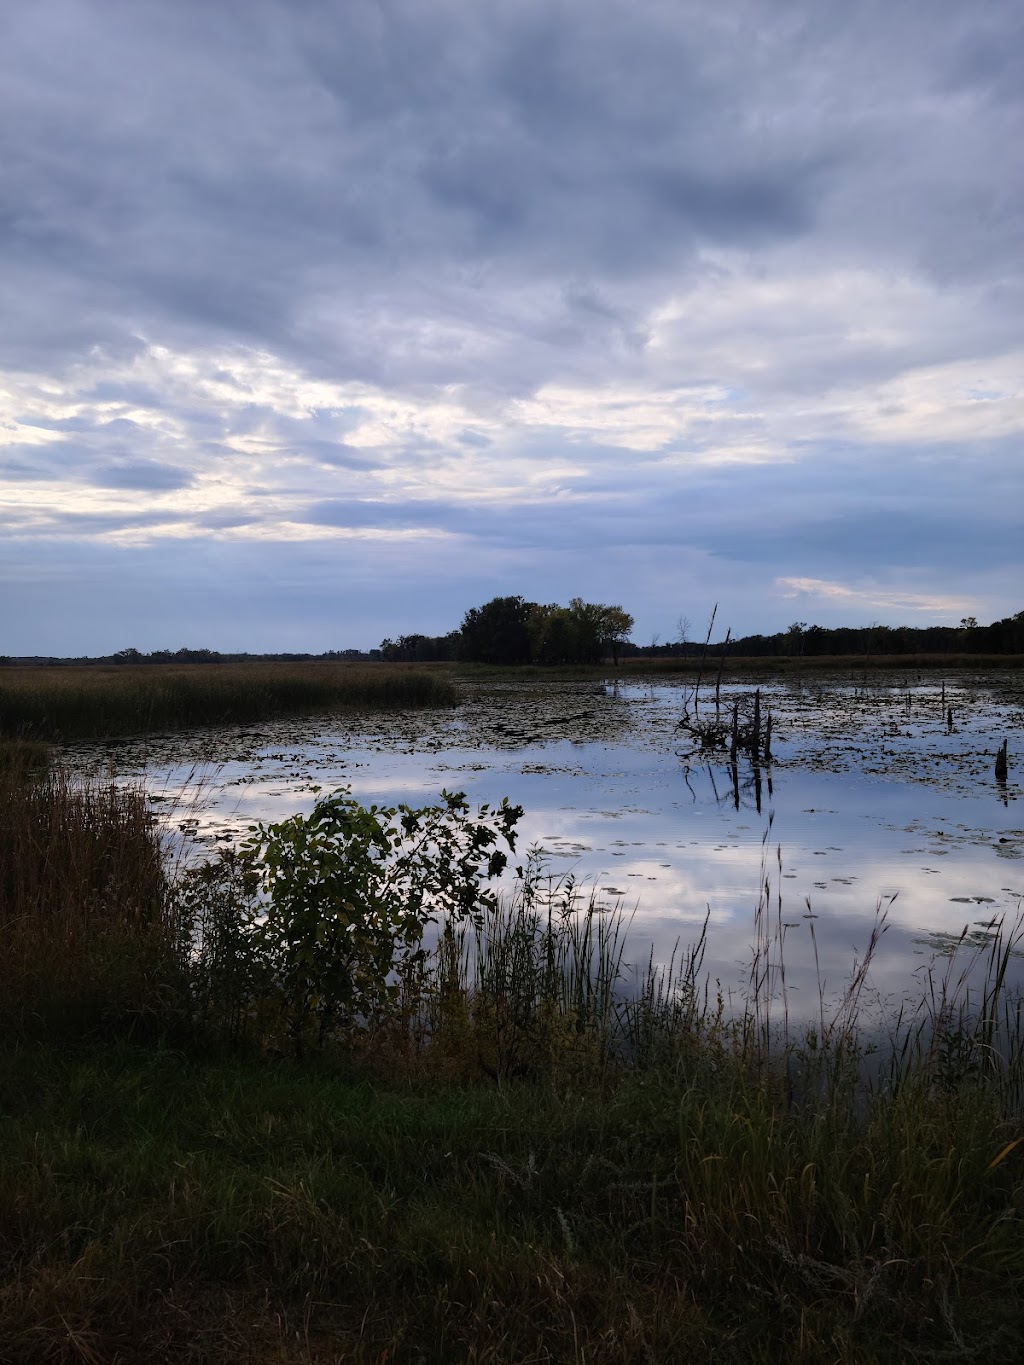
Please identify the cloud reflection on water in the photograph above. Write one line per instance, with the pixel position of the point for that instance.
(619, 810)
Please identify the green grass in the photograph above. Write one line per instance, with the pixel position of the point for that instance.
(521, 1164)
(161, 1208)
(104, 702)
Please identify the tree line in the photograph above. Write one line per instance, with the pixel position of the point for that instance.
(511, 630)
(800, 639)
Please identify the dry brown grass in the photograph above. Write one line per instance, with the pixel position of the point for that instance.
(104, 701)
(82, 891)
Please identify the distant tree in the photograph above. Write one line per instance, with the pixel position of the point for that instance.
(197, 656)
(972, 637)
(552, 639)
(578, 634)
(419, 649)
(498, 632)
(616, 627)
(512, 630)
(406, 649)
(1006, 636)
(587, 629)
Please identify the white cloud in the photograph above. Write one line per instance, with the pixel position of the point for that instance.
(876, 596)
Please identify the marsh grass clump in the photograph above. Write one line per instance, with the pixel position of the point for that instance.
(83, 885)
(528, 988)
(21, 758)
(103, 702)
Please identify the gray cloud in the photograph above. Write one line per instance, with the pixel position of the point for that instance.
(368, 138)
(813, 211)
(145, 475)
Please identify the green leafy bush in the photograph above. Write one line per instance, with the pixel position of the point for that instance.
(313, 925)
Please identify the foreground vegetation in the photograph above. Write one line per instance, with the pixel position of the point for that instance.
(488, 1150)
(92, 702)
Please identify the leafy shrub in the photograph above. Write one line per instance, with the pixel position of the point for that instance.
(313, 925)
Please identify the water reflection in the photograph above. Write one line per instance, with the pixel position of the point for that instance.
(879, 796)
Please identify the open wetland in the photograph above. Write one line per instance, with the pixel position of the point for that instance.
(880, 796)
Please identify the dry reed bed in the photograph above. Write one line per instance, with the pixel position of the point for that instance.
(103, 702)
(83, 887)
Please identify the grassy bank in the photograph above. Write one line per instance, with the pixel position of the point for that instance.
(160, 1208)
(98, 702)
(516, 1163)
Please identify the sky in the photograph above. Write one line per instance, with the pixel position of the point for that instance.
(326, 321)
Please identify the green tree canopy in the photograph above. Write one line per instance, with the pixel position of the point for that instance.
(497, 632)
(616, 626)
(510, 630)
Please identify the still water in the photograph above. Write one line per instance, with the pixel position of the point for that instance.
(880, 796)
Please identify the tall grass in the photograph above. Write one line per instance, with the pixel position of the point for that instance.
(83, 887)
(529, 988)
(96, 702)
(527, 983)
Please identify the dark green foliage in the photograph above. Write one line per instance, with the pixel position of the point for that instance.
(316, 924)
(497, 633)
(581, 633)
(1001, 637)
(418, 649)
(802, 641)
(565, 635)
(510, 630)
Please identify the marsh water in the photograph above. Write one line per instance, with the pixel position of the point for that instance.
(880, 798)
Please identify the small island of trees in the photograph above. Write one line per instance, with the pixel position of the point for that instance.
(511, 630)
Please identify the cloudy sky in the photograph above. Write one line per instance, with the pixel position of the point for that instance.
(324, 320)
